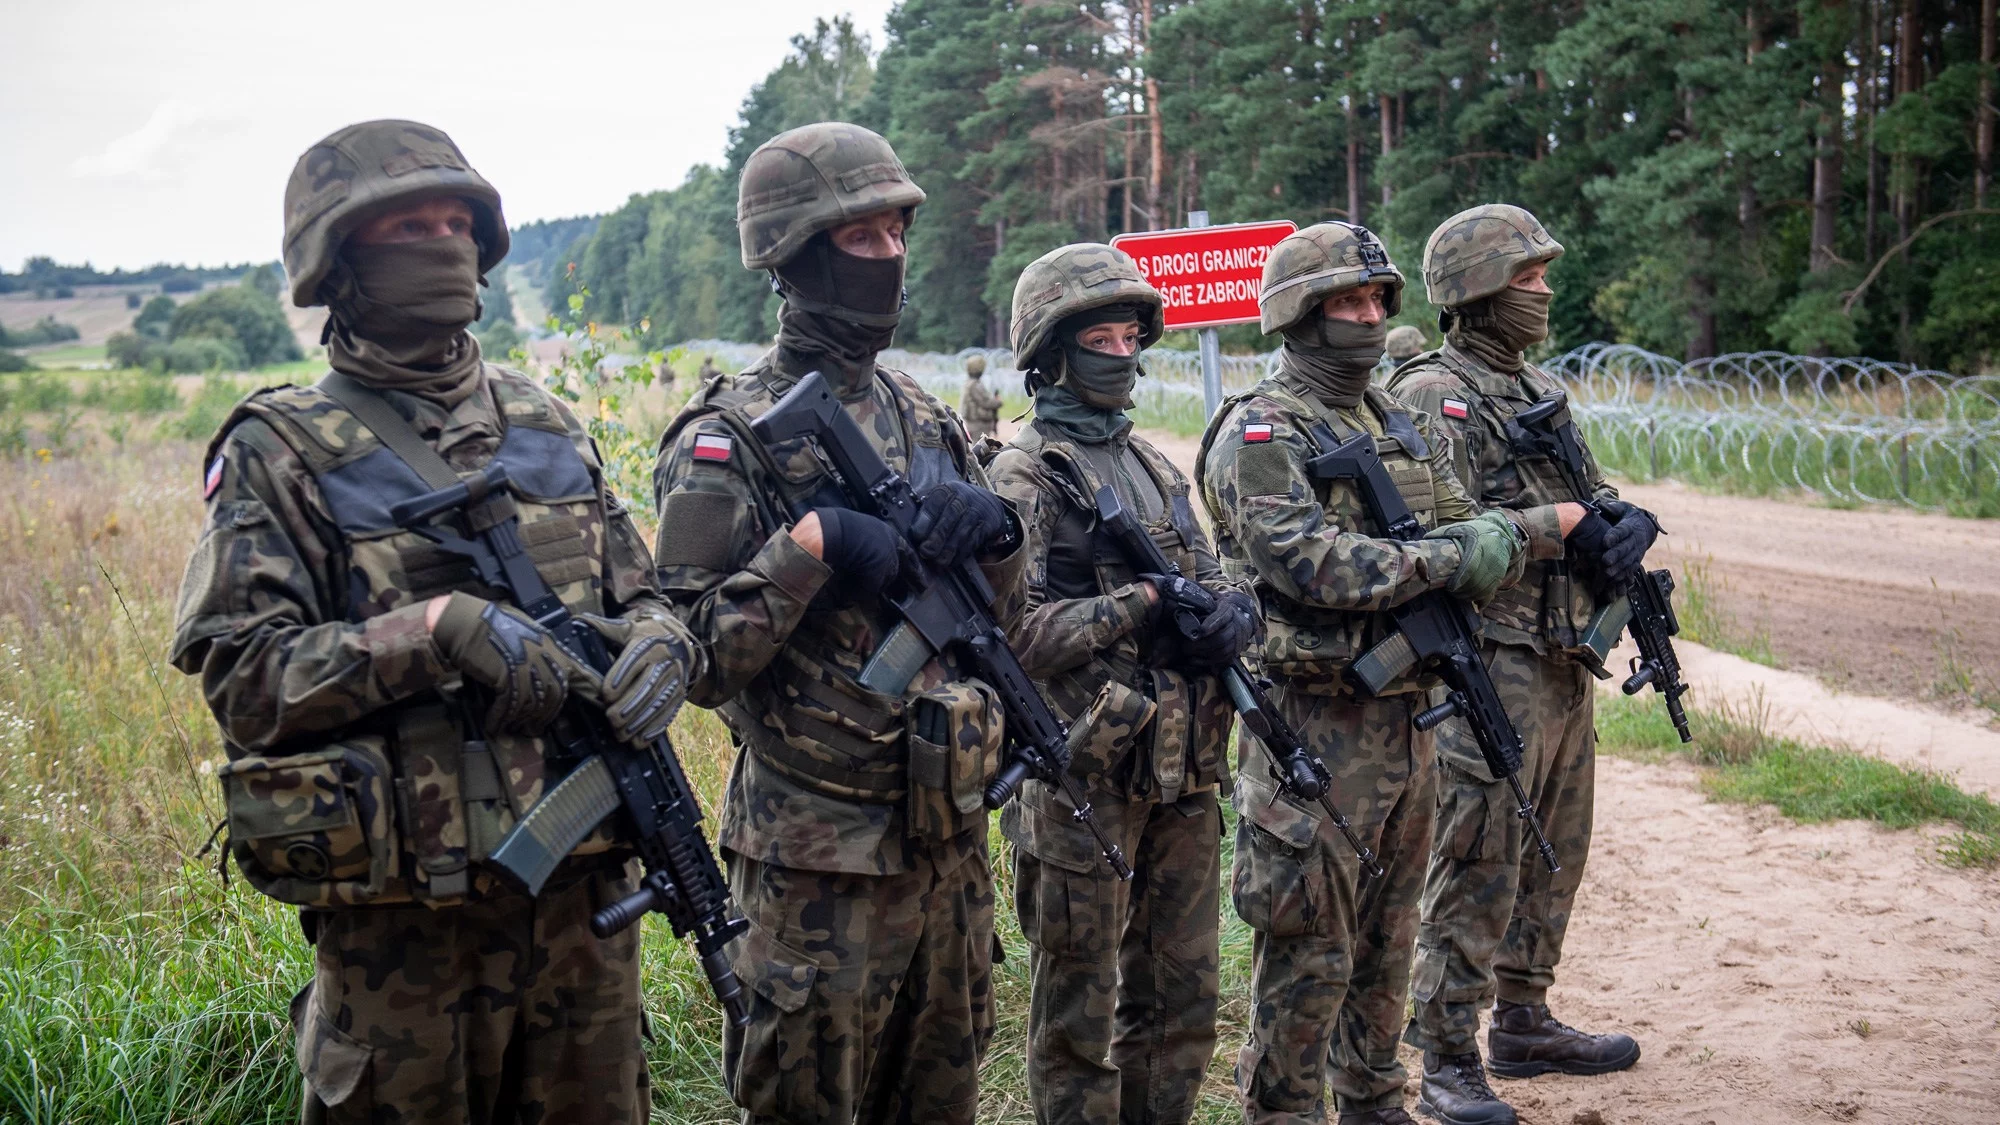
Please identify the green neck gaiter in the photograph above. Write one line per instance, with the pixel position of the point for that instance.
(1335, 358)
(1512, 321)
(398, 314)
(1062, 407)
(1100, 379)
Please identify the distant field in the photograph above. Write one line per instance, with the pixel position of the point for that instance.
(68, 357)
(96, 311)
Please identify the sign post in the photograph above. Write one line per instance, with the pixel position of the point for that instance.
(1208, 276)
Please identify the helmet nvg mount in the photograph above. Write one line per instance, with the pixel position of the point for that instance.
(359, 171)
(1308, 266)
(815, 178)
(1477, 252)
(1074, 279)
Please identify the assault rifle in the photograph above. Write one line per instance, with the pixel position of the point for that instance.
(1548, 429)
(943, 608)
(1434, 630)
(1297, 770)
(681, 880)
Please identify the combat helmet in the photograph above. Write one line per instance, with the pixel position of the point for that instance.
(354, 172)
(1477, 252)
(1307, 266)
(1405, 341)
(975, 365)
(1074, 279)
(815, 178)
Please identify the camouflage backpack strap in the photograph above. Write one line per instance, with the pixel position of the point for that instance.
(1397, 423)
(937, 452)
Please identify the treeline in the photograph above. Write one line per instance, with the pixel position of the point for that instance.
(45, 277)
(1727, 174)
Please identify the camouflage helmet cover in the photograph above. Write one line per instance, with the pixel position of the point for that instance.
(1405, 340)
(1078, 278)
(1477, 252)
(815, 178)
(1307, 266)
(355, 172)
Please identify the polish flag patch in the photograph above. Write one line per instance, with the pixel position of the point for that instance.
(214, 479)
(1257, 431)
(712, 447)
(1452, 408)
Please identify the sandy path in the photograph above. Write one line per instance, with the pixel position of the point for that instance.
(1773, 972)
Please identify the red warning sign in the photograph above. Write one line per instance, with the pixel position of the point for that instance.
(1208, 275)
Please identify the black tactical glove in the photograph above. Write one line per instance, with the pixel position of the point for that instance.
(520, 662)
(646, 685)
(864, 552)
(958, 519)
(1633, 530)
(1586, 540)
(1221, 636)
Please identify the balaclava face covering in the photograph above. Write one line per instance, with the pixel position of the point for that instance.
(1092, 389)
(398, 314)
(840, 308)
(1334, 357)
(1503, 326)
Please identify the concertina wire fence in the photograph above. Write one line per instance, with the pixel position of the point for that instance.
(1849, 430)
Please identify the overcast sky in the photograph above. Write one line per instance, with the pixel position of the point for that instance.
(139, 131)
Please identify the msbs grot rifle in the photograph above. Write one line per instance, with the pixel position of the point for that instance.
(1434, 630)
(1547, 428)
(1298, 770)
(943, 608)
(647, 782)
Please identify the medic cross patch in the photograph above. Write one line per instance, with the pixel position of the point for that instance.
(1256, 431)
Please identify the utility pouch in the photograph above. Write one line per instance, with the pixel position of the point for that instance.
(430, 749)
(1173, 717)
(955, 733)
(1101, 739)
(1208, 757)
(314, 829)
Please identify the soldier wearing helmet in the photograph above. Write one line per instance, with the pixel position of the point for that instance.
(1490, 909)
(851, 843)
(1404, 343)
(1118, 1029)
(384, 711)
(979, 405)
(1332, 957)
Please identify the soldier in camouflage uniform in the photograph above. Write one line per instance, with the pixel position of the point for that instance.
(1405, 343)
(978, 406)
(382, 711)
(1332, 951)
(1490, 907)
(853, 827)
(1122, 1021)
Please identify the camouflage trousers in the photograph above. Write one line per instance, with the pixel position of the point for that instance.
(1491, 909)
(1121, 1022)
(871, 995)
(503, 1010)
(1330, 979)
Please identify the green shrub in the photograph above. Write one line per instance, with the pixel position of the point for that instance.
(132, 393)
(247, 317)
(13, 361)
(201, 353)
(211, 404)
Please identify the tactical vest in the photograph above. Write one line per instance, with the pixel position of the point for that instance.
(807, 715)
(1140, 728)
(432, 794)
(1308, 645)
(1547, 603)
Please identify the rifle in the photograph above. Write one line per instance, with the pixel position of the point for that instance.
(1297, 770)
(1547, 428)
(942, 607)
(1434, 630)
(682, 880)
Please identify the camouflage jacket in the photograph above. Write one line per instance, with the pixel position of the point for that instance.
(302, 609)
(979, 405)
(822, 782)
(1321, 572)
(1474, 404)
(1085, 628)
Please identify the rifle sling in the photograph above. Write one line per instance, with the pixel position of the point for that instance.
(374, 412)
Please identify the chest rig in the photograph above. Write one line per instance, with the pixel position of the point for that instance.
(451, 790)
(1507, 470)
(807, 715)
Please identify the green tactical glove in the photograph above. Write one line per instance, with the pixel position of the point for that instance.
(1486, 546)
(647, 684)
(520, 662)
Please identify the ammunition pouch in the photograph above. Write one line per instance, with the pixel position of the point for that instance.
(315, 829)
(955, 737)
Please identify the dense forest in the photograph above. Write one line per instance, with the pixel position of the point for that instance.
(1727, 174)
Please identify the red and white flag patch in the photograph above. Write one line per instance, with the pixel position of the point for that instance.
(1452, 408)
(713, 447)
(1256, 431)
(214, 479)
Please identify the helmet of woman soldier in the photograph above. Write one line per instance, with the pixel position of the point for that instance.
(1074, 279)
(1477, 252)
(358, 171)
(1308, 266)
(975, 365)
(815, 178)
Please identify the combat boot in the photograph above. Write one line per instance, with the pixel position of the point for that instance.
(1455, 1092)
(1388, 1115)
(1525, 1040)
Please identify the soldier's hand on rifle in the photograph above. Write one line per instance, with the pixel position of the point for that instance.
(864, 552)
(957, 519)
(648, 682)
(1221, 636)
(500, 648)
(1486, 548)
(1631, 535)
(1586, 541)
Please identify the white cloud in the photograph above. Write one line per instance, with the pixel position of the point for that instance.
(137, 154)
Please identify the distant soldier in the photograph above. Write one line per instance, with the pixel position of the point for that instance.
(1331, 968)
(708, 368)
(1490, 908)
(383, 710)
(1121, 1025)
(978, 406)
(853, 827)
(1406, 342)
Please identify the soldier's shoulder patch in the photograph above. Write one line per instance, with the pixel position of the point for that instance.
(1453, 408)
(214, 479)
(1256, 431)
(713, 447)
